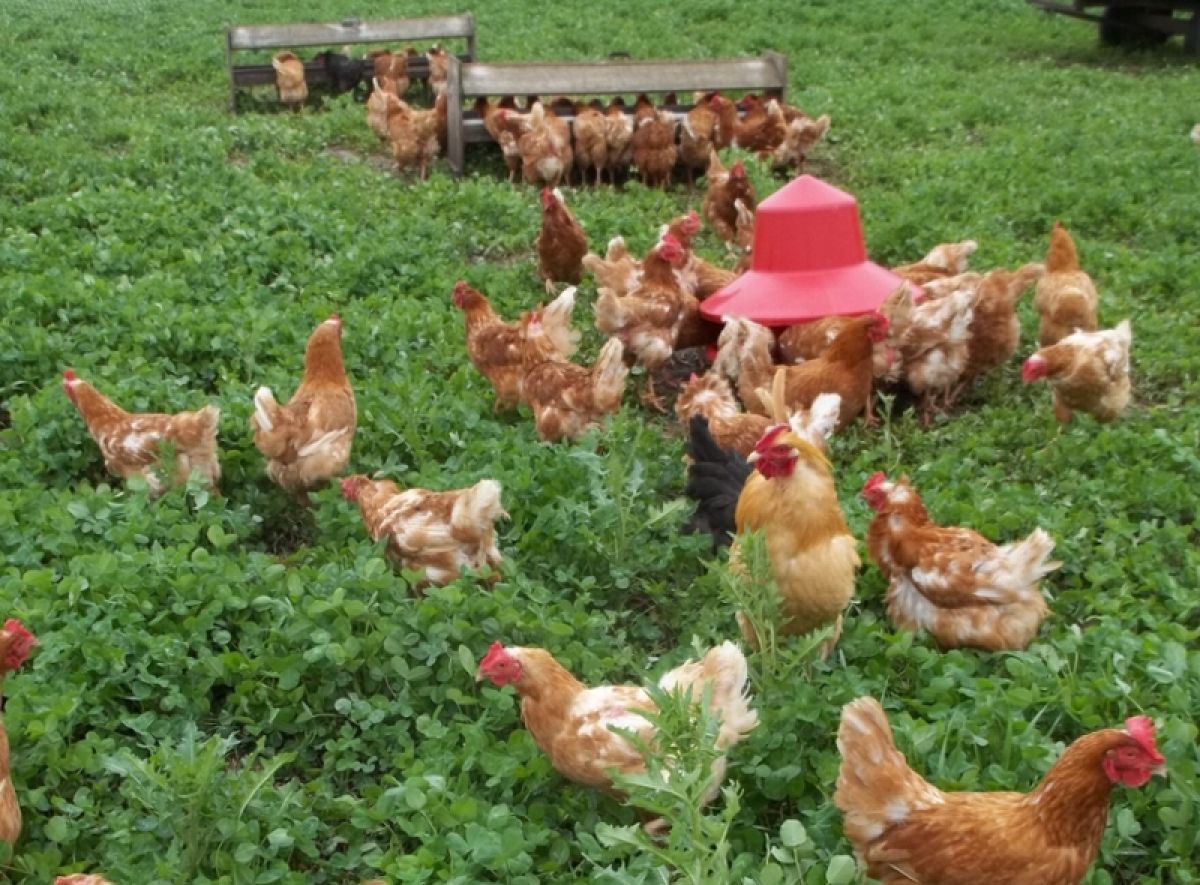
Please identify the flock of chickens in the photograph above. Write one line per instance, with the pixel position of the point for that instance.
(416, 135)
(606, 140)
(758, 461)
(758, 424)
(547, 142)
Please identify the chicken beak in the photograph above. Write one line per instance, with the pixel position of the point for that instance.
(752, 458)
(478, 676)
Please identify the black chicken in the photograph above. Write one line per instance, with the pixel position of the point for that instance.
(714, 481)
(343, 72)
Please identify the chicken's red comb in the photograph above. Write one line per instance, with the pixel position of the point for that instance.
(874, 481)
(350, 488)
(879, 327)
(334, 318)
(1141, 729)
(547, 196)
(495, 653)
(670, 241)
(691, 222)
(69, 375)
(737, 170)
(768, 439)
(19, 643)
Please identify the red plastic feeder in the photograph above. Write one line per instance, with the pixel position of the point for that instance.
(808, 261)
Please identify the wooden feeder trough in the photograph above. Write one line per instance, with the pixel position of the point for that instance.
(767, 74)
(351, 31)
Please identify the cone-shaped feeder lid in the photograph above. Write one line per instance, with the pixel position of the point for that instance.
(808, 262)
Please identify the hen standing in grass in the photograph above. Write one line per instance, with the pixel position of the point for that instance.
(15, 644)
(763, 127)
(936, 348)
(307, 441)
(906, 830)
(618, 133)
(378, 104)
(654, 150)
(725, 188)
(414, 133)
(572, 724)
(546, 154)
(697, 136)
(131, 442)
(995, 330)
(801, 134)
(649, 319)
(566, 399)
(1087, 372)
(1066, 298)
(497, 349)
(561, 242)
(439, 533)
(846, 367)
(289, 79)
(952, 581)
(591, 141)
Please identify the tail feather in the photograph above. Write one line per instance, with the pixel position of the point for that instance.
(477, 508)
(821, 421)
(610, 317)
(266, 409)
(1061, 256)
(616, 249)
(209, 416)
(951, 257)
(608, 376)
(1023, 564)
(875, 785)
(199, 427)
(1117, 356)
(556, 321)
(723, 667)
(1025, 276)
(322, 442)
